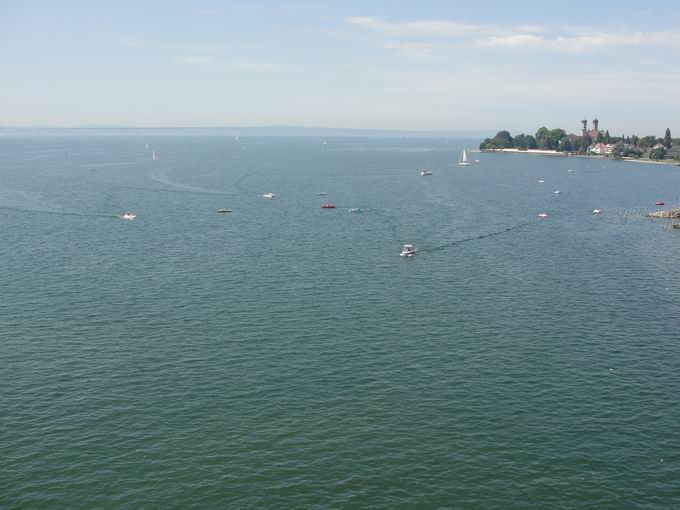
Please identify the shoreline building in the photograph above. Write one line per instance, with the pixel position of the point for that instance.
(593, 132)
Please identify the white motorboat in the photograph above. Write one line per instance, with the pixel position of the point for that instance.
(463, 161)
(223, 210)
(557, 192)
(268, 195)
(322, 193)
(541, 181)
(129, 216)
(543, 215)
(425, 172)
(408, 251)
(597, 211)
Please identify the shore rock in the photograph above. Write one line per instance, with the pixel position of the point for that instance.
(672, 213)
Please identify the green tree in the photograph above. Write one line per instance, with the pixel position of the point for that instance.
(565, 144)
(531, 142)
(599, 138)
(635, 140)
(657, 153)
(606, 138)
(520, 141)
(585, 143)
(650, 140)
(503, 139)
(541, 135)
(557, 134)
(667, 140)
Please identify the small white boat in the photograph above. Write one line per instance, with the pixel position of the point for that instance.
(597, 211)
(543, 215)
(268, 195)
(541, 181)
(463, 161)
(557, 192)
(223, 210)
(155, 155)
(322, 193)
(476, 161)
(146, 146)
(425, 172)
(356, 210)
(129, 216)
(570, 170)
(408, 251)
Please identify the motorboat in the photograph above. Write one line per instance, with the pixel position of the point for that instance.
(408, 251)
(597, 211)
(570, 170)
(425, 172)
(322, 193)
(476, 161)
(660, 202)
(543, 215)
(328, 206)
(356, 210)
(557, 192)
(129, 216)
(268, 195)
(541, 181)
(223, 210)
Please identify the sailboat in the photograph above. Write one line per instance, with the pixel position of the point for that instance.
(154, 155)
(463, 161)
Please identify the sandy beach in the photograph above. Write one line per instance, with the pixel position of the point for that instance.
(545, 152)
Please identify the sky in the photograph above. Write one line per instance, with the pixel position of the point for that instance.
(405, 65)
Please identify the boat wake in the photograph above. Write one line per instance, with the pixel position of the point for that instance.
(179, 187)
(182, 191)
(54, 212)
(475, 238)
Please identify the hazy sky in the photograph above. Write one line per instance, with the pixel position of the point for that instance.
(443, 65)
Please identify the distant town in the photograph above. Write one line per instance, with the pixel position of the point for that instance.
(591, 142)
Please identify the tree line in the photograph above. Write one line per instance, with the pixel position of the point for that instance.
(557, 139)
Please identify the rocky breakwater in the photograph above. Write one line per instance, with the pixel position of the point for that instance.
(671, 213)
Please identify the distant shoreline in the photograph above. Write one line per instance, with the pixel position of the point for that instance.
(546, 152)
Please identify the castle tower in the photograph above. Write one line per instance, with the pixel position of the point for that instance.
(595, 122)
(585, 126)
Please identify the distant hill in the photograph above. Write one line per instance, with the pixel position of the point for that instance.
(239, 131)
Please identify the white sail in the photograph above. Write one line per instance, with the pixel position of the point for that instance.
(464, 159)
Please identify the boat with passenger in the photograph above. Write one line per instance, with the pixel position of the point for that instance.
(129, 216)
(408, 251)
(328, 206)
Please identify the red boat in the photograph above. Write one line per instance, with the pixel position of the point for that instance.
(660, 202)
(328, 206)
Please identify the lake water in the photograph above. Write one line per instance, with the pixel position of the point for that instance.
(286, 356)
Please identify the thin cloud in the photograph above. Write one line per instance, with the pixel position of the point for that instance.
(253, 65)
(416, 37)
(429, 28)
(414, 49)
(201, 60)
